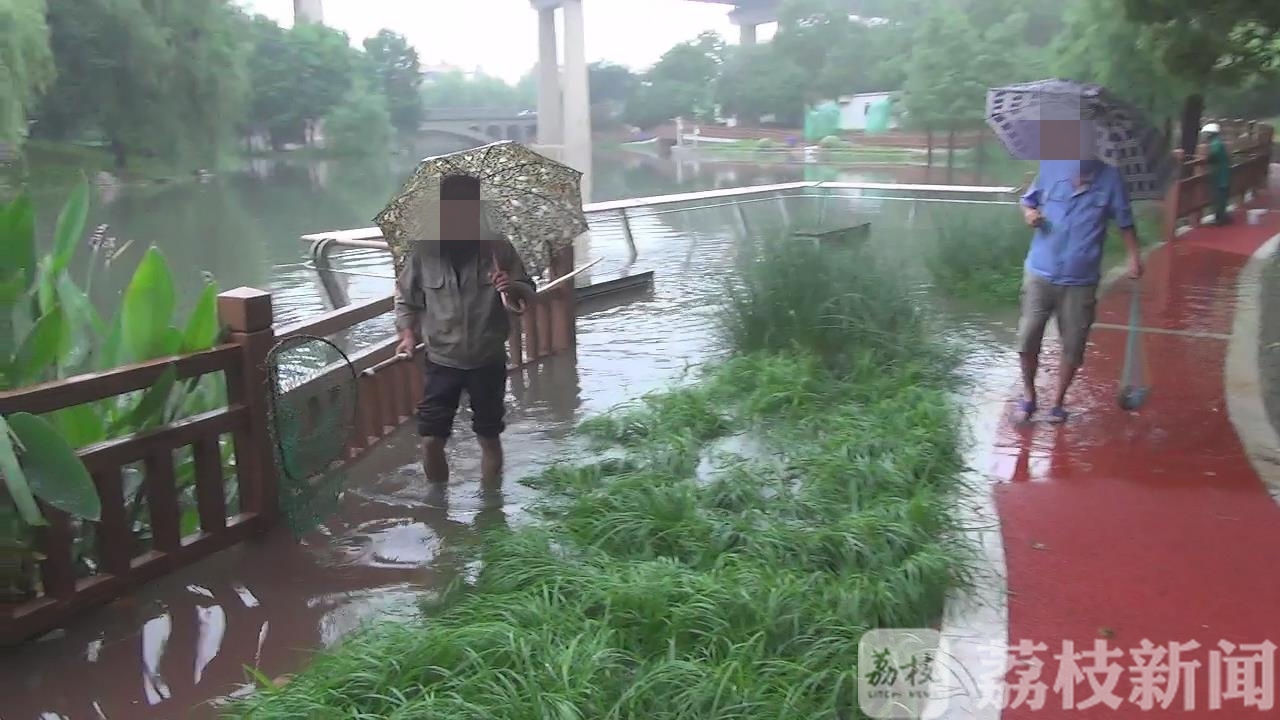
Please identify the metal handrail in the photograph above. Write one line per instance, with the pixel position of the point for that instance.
(372, 237)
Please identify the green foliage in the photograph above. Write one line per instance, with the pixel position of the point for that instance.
(397, 75)
(1224, 41)
(976, 256)
(831, 142)
(153, 79)
(652, 588)
(760, 80)
(361, 125)
(52, 331)
(680, 84)
(1099, 46)
(26, 65)
(456, 90)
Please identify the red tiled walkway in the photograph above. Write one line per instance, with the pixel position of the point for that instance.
(1124, 527)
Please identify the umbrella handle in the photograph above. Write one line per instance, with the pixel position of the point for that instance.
(518, 306)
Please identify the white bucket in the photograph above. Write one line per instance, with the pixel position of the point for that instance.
(1255, 215)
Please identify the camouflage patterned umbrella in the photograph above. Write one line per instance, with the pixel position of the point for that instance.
(532, 200)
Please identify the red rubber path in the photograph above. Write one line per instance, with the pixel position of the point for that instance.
(1123, 527)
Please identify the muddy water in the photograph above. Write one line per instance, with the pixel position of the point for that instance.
(165, 652)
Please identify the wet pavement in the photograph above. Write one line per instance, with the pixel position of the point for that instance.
(187, 638)
(1151, 526)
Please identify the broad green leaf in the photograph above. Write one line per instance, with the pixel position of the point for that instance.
(112, 352)
(39, 349)
(18, 237)
(147, 308)
(12, 287)
(54, 471)
(70, 228)
(84, 327)
(81, 425)
(149, 406)
(172, 343)
(202, 327)
(46, 288)
(15, 480)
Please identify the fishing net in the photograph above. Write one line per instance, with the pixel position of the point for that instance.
(312, 412)
(1133, 380)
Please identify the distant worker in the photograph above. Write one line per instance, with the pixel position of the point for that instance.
(1219, 172)
(1070, 204)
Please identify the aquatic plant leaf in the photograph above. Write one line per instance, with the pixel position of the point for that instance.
(54, 472)
(15, 480)
(18, 238)
(147, 308)
(202, 327)
(81, 425)
(70, 227)
(12, 287)
(39, 349)
(112, 352)
(151, 404)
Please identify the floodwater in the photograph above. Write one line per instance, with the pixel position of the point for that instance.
(186, 639)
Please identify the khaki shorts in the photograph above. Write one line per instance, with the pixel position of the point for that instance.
(1072, 305)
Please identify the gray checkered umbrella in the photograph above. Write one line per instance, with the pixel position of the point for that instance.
(1114, 131)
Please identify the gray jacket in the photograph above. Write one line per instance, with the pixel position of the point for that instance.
(463, 323)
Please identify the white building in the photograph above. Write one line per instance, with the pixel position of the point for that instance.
(854, 110)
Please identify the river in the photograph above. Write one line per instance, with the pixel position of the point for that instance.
(185, 639)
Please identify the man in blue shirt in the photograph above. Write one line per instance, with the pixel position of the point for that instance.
(1069, 204)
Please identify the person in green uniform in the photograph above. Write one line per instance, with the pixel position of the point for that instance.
(1219, 172)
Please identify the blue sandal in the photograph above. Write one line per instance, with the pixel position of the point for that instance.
(1024, 412)
(1057, 415)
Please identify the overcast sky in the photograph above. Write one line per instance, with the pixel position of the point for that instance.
(501, 36)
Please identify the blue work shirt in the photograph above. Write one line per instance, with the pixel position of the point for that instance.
(1069, 250)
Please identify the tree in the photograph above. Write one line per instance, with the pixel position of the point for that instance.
(1096, 46)
(680, 84)
(809, 31)
(157, 79)
(612, 87)
(324, 65)
(398, 73)
(758, 80)
(271, 71)
(1209, 44)
(456, 90)
(363, 124)
(26, 65)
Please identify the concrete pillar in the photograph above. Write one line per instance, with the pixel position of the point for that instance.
(577, 95)
(308, 11)
(550, 103)
(746, 34)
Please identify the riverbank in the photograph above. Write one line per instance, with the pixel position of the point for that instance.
(741, 536)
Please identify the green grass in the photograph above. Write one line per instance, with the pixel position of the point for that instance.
(649, 589)
(978, 254)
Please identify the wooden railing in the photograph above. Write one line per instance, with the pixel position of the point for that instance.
(1187, 199)
(120, 561)
(389, 387)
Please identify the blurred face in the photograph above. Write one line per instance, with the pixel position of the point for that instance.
(1066, 140)
(459, 219)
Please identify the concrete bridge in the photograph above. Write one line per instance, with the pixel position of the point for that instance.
(482, 125)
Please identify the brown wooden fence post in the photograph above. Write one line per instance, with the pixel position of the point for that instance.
(1172, 198)
(247, 315)
(563, 316)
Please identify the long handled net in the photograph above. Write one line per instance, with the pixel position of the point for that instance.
(1133, 380)
(312, 412)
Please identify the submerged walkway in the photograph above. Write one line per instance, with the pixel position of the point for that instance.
(1154, 526)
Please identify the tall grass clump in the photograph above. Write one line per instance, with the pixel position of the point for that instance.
(979, 256)
(654, 587)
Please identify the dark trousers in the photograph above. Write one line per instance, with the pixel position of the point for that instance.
(1221, 196)
(487, 388)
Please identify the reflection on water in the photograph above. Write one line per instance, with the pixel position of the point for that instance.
(269, 603)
